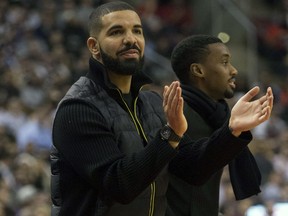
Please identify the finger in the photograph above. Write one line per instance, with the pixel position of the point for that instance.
(265, 104)
(267, 99)
(266, 112)
(175, 98)
(250, 94)
(172, 93)
(167, 92)
(269, 91)
(165, 95)
(180, 102)
(263, 100)
(270, 97)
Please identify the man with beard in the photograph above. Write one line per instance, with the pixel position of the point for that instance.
(203, 66)
(113, 142)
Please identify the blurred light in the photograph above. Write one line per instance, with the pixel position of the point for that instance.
(224, 37)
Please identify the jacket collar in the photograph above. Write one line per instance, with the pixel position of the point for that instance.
(98, 74)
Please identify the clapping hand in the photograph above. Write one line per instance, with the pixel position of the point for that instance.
(173, 107)
(247, 114)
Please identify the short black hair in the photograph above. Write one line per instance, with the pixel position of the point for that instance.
(193, 49)
(95, 22)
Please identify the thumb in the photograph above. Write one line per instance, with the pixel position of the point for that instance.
(250, 94)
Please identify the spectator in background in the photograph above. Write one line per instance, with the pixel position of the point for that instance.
(202, 63)
(13, 115)
(35, 135)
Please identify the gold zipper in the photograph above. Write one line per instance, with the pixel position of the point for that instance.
(152, 198)
(138, 126)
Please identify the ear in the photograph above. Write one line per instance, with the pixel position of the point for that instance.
(196, 70)
(93, 46)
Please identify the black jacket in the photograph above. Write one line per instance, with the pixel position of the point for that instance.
(205, 116)
(105, 160)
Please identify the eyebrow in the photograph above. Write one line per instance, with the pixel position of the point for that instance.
(227, 55)
(120, 26)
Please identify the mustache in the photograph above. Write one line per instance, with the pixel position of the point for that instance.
(133, 46)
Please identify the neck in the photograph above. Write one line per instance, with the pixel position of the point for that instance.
(123, 82)
(204, 89)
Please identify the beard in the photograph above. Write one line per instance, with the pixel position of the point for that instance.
(228, 94)
(126, 67)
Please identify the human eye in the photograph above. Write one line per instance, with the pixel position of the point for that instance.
(225, 61)
(138, 31)
(115, 32)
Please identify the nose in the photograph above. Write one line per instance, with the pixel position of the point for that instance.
(233, 70)
(129, 38)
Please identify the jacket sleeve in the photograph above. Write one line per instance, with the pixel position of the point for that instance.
(81, 135)
(198, 160)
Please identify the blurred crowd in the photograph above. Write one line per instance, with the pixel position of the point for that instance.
(43, 51)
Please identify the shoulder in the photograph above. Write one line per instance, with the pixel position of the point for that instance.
(150, 94)
(151, 97)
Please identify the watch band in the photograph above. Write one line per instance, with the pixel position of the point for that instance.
(168, 134)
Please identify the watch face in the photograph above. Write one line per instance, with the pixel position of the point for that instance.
(165, 133)
(168, 134)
